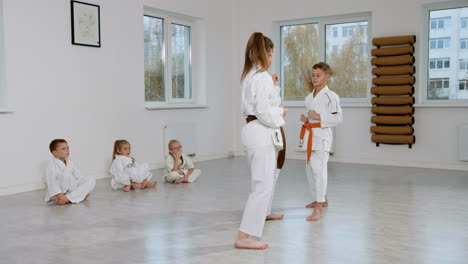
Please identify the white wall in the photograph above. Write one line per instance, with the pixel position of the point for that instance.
(93, 96)
(435, 128)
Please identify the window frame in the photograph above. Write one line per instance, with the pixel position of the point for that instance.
(196, 99)
(322, 22)
(423, 75)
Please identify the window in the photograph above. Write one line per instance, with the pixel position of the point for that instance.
(463, 85)
(444, 53)
(440, 23)
(439, 83)
(347, 31)
(335, 32)
(296, 58)
(464, 22)
(464, 44)
(168, 65)
(439, 43)
(335, 48)
(302, 44)
(463, 64)
(440, 63)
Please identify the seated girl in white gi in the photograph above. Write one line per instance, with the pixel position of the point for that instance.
(65, 183)
(323, 112)
(180, 168)
(126, 173)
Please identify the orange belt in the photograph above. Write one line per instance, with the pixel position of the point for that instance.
(308, 126)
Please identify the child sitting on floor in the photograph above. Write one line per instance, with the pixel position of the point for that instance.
(180, 168)
(126, 173)
(65, 183)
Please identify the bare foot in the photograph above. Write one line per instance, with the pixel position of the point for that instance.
(87, 196)
(127, 188)
(144, 184)
(61, 200)
(274, 217)
(138, 185)
(177, 181)
(249, 243)
(315, 216)
(312, 205)
(151, 184)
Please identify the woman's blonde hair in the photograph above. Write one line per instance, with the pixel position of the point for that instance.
(308, 74)
(117, 145)
(256, 53)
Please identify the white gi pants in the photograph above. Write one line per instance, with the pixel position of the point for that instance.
(317, 175)
(83, 187)
(261, 156)
(174, 175)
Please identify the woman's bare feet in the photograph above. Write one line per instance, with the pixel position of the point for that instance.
(274, 217)
(315, 216)
(248, 243)
(127, 188)
(151, 184)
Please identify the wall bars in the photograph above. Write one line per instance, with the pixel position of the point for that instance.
(392, 104)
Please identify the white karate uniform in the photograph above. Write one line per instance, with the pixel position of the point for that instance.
(67, 179)
(124, 169)
(327, 104)
(262, 99)
(184, 165)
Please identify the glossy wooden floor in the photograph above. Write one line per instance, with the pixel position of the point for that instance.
(377, 214)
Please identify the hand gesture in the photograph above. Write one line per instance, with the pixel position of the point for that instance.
(285, 110)
(314, 115)
(275, 77)
(304, 118)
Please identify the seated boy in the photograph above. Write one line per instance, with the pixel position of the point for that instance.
(65, 183)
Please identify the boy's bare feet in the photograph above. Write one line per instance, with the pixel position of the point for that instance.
(151, 184)
(127, 188)
(312, 205)
(177, 181)
(315, 216)
(274, 217)
(61, 199)
(248, 243)
(86, 197)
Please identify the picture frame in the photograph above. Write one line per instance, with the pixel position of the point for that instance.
(85, 24)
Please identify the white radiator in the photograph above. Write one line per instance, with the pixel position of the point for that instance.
(463, 142)
(186, 133)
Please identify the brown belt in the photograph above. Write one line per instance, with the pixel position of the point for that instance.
(282, 153)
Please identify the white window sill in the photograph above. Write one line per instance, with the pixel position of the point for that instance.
(6, 110)
(175, 106)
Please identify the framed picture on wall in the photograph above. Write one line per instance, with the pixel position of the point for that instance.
(85, 24)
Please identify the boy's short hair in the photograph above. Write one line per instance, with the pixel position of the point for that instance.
(53, 145)
(324, 67)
